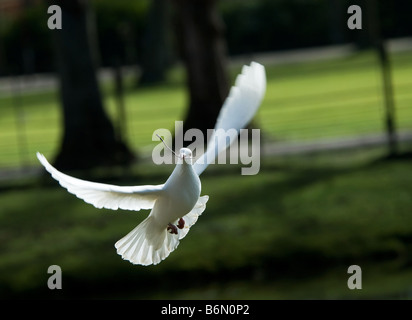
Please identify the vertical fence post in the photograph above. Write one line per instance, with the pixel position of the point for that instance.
(388, 96)
(385, 67)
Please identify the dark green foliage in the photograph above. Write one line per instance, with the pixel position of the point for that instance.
(289, 232)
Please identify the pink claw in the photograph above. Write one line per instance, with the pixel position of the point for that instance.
(181, 223)
(172, 228)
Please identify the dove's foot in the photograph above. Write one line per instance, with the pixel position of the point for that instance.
(181, 223)
(172, 228)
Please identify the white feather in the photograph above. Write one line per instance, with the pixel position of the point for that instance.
(106, 195)
(147, 244)
(150, 242)
(237, 111)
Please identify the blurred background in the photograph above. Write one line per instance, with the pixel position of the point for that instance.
(335, 183)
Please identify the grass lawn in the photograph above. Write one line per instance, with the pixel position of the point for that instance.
(311, 100)
(290, 232)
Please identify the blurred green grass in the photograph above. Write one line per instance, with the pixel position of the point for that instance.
(289, 232)
(311, 100)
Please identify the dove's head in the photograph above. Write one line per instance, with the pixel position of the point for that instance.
(186, 155)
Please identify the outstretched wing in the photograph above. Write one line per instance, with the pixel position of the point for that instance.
(105, 195)
(237, 111)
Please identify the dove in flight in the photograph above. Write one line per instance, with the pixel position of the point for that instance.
(176, 204)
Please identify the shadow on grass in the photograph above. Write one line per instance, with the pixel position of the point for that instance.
(289, 222)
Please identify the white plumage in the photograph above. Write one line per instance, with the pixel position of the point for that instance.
(176, 204)
(238, 109)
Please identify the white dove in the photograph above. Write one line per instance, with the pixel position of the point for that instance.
(176, 204)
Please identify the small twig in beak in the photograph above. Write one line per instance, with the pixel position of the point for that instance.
(168, 146)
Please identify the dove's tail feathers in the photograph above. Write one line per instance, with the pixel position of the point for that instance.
(147, 243)
(191, 218)
(150, 244)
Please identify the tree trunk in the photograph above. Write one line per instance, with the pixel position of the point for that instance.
(336, 16)
(156, 50)
(89, 139)
(203, 49)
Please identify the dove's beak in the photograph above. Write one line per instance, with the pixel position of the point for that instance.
(186, 155)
